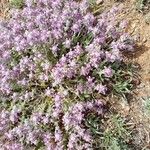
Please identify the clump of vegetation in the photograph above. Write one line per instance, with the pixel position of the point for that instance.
(147, 105)
(17, 3)
(58, 61)
(112, 133)
(117, 135)
(143, 5)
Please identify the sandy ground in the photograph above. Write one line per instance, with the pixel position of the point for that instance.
(4, 9)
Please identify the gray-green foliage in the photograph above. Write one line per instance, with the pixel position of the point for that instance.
(142, 4)
(147, 105)
(17, 3)
(117, 135)
(112, 134)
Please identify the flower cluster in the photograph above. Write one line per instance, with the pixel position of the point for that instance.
(48, 129)
(53, 53)
(79, 136)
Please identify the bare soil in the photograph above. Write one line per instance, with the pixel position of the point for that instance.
(4, 8)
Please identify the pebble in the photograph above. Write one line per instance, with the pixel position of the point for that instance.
(147, 18)
(144, 40)
(99, 2)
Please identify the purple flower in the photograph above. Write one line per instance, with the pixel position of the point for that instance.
(107, 71)
(67, 43)
(101, 88)
(85, 69)
(50, 52)
(76, 28)
(55, 49)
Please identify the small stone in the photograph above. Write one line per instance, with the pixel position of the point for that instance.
(142, 85)
(147, 18)
(125, 108)
(99, 2)
(144, 40)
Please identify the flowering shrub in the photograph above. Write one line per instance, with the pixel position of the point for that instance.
(57, 59)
